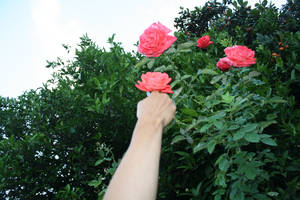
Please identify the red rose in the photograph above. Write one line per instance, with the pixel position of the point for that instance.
(224, 64)
(204, 42)
(155, 40)
(240, 56)
(155, 81)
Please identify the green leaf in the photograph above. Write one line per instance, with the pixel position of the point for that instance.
(252, 137)
(273, 194)
(95, 183)
(151, 63)
(254, 74)
(185, 77)
(186, 45)
(98, 162)
(220, 180)
(250, 172)
(268, 141)
(190, 112)
(238, 135)
(184, 50)
(174, 83)
(219, 125)
(177, 138)
(160, 69)
(215, 79)
(217, 116)
(293, 76)
(277, 100)
(68, 188)
(223, 164)
(177, 92)
(200, 146)
(233, 127)
(211, 146)
(204, 128)
(208, 71)
(226, 98)
(142, 62)
(248, 128)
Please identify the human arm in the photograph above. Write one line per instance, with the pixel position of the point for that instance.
(137, 175)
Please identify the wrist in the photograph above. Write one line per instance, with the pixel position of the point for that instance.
(150, 122)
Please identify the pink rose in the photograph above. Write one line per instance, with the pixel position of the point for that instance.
(204, 42)
(224, 64)
(240, 56)
(155, 40)
(155, 81)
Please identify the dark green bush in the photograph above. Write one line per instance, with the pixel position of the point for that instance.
(235, 135)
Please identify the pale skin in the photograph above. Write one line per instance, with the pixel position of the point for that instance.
(137, 175)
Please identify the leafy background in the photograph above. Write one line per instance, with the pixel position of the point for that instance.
(235, 135)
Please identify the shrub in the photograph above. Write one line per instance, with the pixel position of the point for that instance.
(235, 135)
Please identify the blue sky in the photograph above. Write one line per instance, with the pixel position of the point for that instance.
(32, 31)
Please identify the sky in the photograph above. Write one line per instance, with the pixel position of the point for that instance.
(33, 31)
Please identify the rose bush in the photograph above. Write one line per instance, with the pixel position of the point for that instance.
(155, 40)
(204, 42)
(155, 81)
(235, 135)
(240, 56)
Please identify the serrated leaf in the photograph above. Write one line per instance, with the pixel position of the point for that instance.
(268, 141)
(211, 146)
(252, 137)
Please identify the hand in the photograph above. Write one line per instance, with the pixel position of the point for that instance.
(158, 108)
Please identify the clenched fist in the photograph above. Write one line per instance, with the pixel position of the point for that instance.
(157, 108)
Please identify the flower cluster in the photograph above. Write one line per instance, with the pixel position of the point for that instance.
(156, 39)
(237, 56)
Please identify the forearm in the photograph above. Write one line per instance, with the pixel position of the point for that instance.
(137, 175)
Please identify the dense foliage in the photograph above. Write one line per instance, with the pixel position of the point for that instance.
(235, 136)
